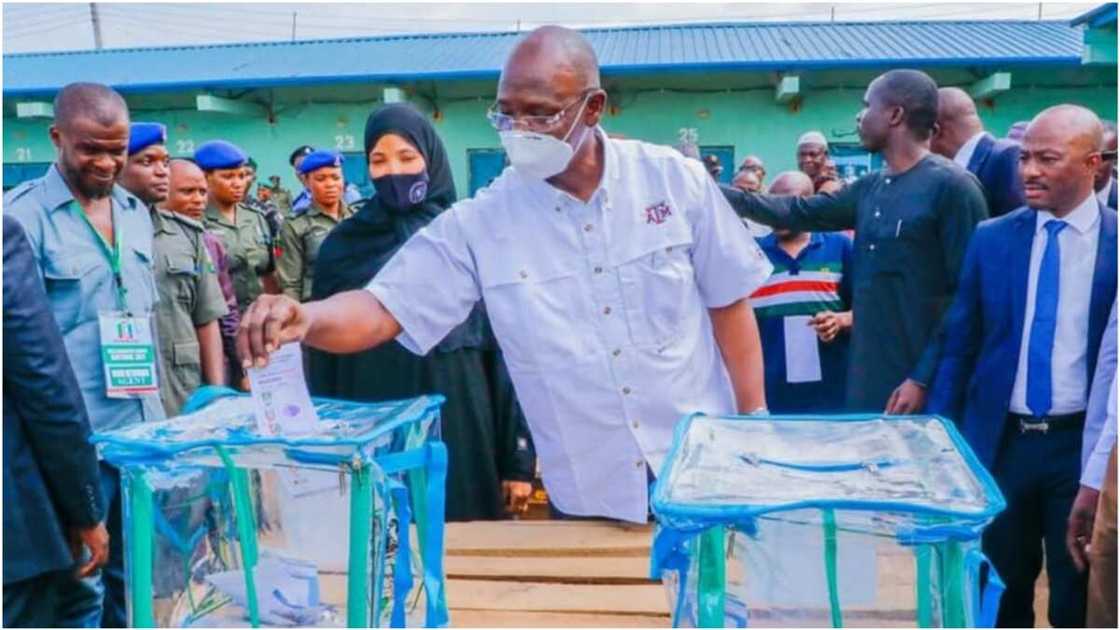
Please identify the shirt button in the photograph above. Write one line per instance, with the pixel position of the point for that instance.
(558, 208)
(668, 250)
(871, 247)
(640, 463)
(616, 352)
(523, 274)
(606, 310)
(587, 228)
(877, 213)
(625, 390)
(598, 270)
(888, 180)
(635, 424)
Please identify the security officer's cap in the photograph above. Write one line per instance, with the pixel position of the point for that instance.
(319, 159)
(142, 135)
(298, 153)
(219, 154)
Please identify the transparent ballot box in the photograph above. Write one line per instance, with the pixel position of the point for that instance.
(824, 522)
(342, 526)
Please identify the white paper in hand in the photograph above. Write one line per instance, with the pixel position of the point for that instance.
(803, 358)
(282, 403)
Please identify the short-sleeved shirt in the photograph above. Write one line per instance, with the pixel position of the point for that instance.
(248, 244)
(600, 309)
(300, 238)
(816, 280)
(80, 284)
(189, 297)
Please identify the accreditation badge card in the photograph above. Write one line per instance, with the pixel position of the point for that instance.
(129, 355)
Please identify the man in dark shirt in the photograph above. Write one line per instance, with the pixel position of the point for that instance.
(912, 223)
(960, 137)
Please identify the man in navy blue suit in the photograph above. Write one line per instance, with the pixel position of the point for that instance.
(52, 498)
(960, 137)
(1020, 347)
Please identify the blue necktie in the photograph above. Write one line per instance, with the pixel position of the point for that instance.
(1041, 344)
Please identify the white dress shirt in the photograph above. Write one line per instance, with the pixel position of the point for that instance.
(1068, 367)
(600, 309)
(964, 154)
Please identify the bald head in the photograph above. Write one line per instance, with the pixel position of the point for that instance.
(1059, 157)
(99, 103)
(187, 190)
(552, 57)
(792, 183)
(957, 121)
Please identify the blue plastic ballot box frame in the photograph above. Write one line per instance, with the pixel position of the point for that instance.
(744, 474)
(370, 445)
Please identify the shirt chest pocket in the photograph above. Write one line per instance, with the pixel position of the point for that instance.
(182, 275)
(658, 288)
(68, 281)
(140, 282)
(538, 311)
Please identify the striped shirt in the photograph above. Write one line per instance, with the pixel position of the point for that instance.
(816, 280)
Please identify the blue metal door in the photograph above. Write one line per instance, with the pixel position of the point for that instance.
(355, 171)
(483, 165)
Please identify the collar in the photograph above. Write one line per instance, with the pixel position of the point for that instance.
(964, 154)
(57, 195)
(214, 214)
(160, 223)
(770, 243)
(1083, 218)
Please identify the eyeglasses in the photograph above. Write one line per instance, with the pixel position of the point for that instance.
(506, 122)
(1108, 155)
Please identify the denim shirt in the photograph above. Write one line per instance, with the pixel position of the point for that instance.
(80, 285)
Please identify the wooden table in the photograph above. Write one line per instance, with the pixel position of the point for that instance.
(552, 574)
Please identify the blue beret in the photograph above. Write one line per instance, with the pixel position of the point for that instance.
(318, 159)
(142, 135)
(218, 154)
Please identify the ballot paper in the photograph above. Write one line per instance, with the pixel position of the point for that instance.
(287, 590)
(280, 398)
(803, 358)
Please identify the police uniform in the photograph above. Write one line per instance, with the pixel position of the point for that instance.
(248, 238)
(300, 238)
(248, 242)
(302, 235)
(189, 297)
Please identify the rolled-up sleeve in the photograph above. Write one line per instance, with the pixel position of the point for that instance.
(728, 263)
(1097, 466)
(431, 284)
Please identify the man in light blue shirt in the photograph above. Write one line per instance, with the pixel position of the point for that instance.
(92, 243)
(614, 272)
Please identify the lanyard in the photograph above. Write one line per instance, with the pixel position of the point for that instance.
(112, 254)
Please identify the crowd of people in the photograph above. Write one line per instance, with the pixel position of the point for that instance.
(573, 310)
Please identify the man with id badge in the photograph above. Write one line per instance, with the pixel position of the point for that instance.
(93, 246)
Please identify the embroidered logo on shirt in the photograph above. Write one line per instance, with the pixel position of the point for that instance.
(657, 213)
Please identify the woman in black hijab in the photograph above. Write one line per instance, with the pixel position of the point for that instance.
(489, 451)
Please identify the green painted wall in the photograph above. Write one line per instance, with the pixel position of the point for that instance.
(745, 117)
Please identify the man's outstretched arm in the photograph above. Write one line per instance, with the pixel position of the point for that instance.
(351, 321)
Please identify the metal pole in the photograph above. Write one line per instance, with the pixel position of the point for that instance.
(95, 22)
(293, 26)
(832, 14)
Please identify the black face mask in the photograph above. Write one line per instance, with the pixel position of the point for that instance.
(402, 191)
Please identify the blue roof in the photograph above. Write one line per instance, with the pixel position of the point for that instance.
(1103, 15)
(760, 46)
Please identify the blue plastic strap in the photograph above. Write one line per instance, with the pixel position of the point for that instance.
(985, 607)
(402, 571)
(670, 552)
(437, 616)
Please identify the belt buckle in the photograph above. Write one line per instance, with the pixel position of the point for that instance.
(1041, 427)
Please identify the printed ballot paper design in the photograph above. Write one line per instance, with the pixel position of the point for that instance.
(279, 391)
(824, 521)
(338, 523)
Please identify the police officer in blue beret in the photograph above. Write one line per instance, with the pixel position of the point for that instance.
(244, 231)
(190, 298)
(302, 235)
(303, 199)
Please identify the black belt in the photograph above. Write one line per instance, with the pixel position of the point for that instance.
(1045, 424)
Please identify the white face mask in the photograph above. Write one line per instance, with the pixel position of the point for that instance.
(540, 155)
